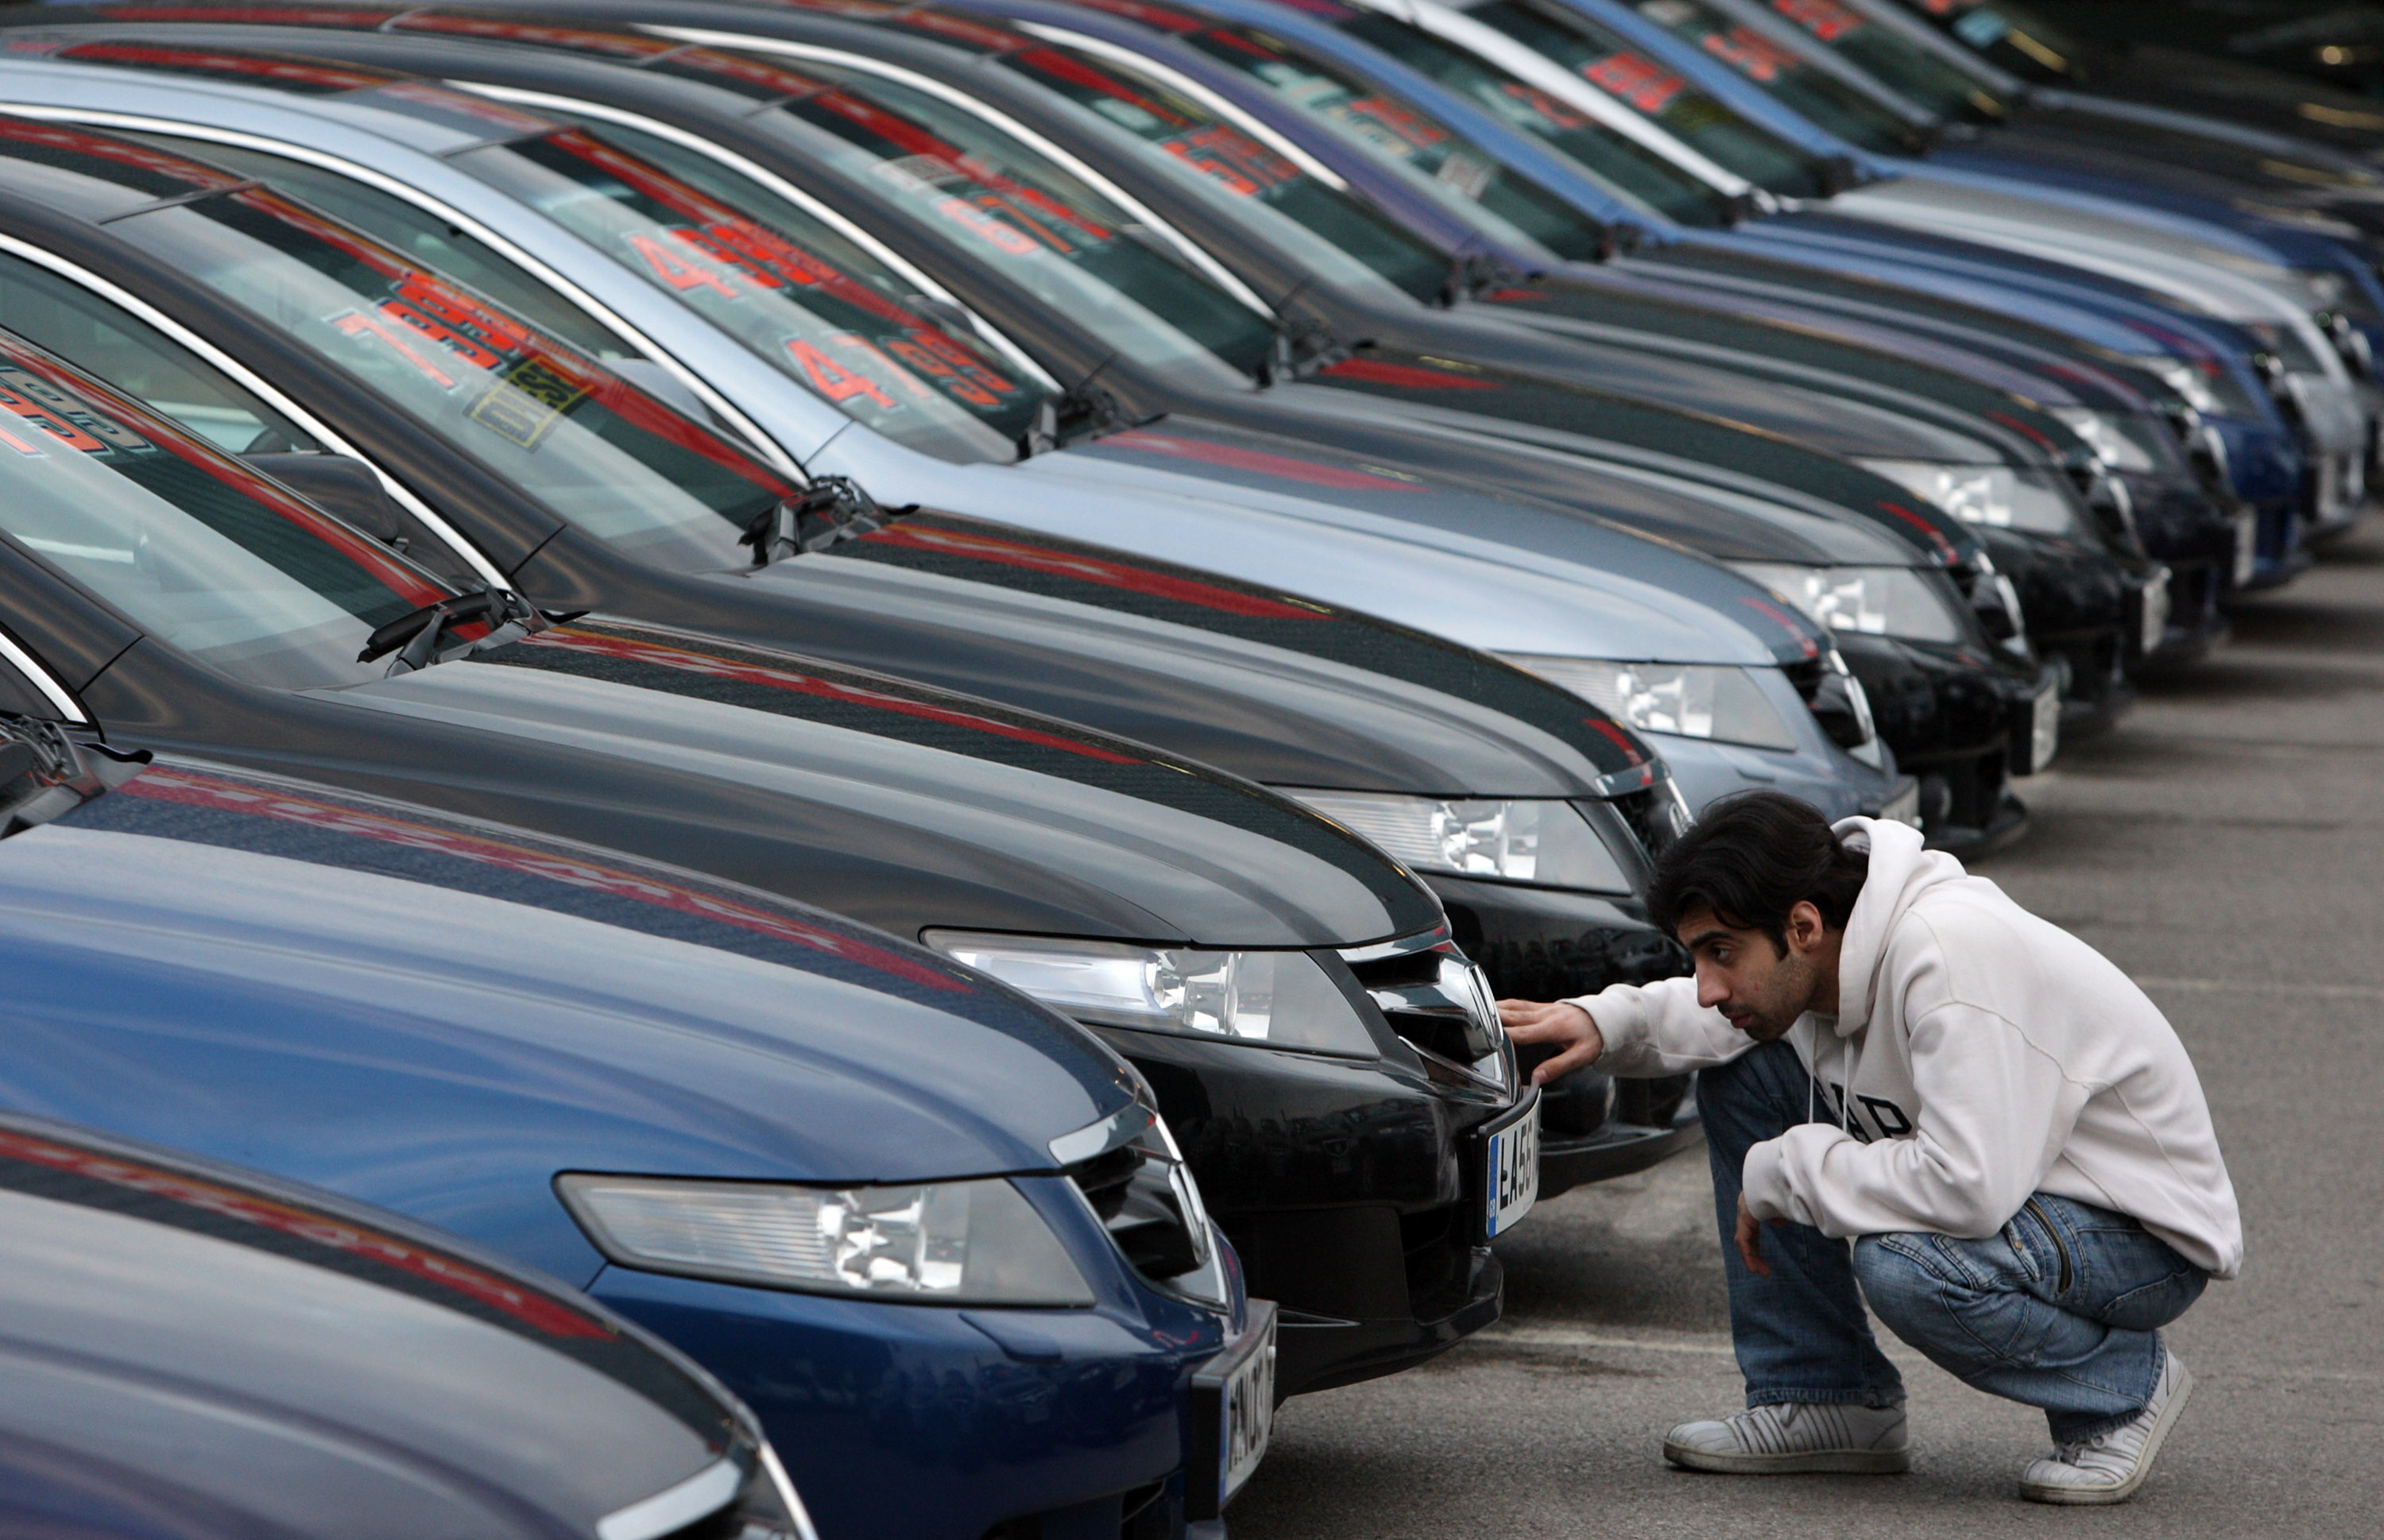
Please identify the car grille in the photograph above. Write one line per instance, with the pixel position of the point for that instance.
(1440, 1005)
(1655, 815)
(1130, 1191)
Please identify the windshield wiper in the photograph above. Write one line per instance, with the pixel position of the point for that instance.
(833, 508)
(1082, 411)
(414, 638)
(1303, 345)
(45, 772)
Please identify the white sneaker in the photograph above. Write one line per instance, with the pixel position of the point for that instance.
(1796, 1437)
(2109, 1469)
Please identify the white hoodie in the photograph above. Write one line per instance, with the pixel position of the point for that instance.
(1989, 1054)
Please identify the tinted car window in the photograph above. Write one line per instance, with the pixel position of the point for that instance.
(1796, 84)
(878, 359)
(1232, 161)
(142, 361)
(965, 184)
(1630, 168)
(1894, 60)
(1655, 94)
(1396, 131)
(186, 541)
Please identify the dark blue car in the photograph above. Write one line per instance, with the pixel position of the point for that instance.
(932, 1233)
(189, 1351)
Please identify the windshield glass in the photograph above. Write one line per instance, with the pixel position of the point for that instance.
(1894, 60)
(1607, 62)
(1795, 83)
(1615, 158)
(967, 184)
(1395, 132)
(1186, 135)
(2020, 41)
(869, 351)
(185, 541)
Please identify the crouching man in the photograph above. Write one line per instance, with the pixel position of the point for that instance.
(1892, 1053)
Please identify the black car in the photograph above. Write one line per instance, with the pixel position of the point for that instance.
(190, 1352)
(1257, 962)
(1961, 713)
(1415, 741)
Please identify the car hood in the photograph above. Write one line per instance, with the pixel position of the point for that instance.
(326, 953)
(1081, 833)
(1278, 687)
(165, 1347)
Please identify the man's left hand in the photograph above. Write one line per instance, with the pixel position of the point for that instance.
(1750, 1239)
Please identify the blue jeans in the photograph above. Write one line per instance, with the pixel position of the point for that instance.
(2059, 1309)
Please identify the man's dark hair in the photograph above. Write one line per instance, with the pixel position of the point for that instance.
(1751, 859)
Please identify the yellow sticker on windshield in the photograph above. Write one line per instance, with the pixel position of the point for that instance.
(527, 401)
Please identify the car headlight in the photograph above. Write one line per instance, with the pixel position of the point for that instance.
(1540, 840)
(1995, 495)
(2109, 436)
(1275, 999)
(1875, 601)
(943, 1243)
(1685, 700)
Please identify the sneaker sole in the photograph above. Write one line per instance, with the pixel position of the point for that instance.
(2072, 1496)
(1821, 1462)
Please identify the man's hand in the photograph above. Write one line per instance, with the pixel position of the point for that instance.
(1529, 1021)
(1750, 1239)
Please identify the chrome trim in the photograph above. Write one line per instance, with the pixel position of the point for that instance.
(1622, 783)
(604, 315)
(753, 171)
(1423, 940)
(1121, 1127)
(257, 385)
(39, 678)
(674, 1508)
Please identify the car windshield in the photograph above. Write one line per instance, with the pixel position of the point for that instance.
(2020, 41)
(1897, 62)
(1330, 230)
(1795, 83)
(965, 184)
(533, 412)
(1398, 132)
(1638, 172)
(188, 544)
(1609, 63)
(791, 288)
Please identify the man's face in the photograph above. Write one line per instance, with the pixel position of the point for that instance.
(1742, 975)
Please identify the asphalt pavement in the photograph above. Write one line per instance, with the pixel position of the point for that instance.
(2225, 844)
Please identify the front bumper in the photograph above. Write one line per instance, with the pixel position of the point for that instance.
(1948, 713)
(1348, 1190)
(1545, 943)
(2083, 605)
(926, 1423)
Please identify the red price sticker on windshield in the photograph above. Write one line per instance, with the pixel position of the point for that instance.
(1825, 20)
(1642, 82)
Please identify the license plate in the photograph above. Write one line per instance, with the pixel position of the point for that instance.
(2155, 611)
(1233, 1406)
(2247, 546)
(2044, 737)
(1514, 1169)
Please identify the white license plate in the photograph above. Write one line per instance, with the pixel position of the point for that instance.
(2247, 546)
(1247, 1410)
(1514, 1174)
(2044, 737)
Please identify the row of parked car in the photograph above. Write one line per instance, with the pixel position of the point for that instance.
(764, 749)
